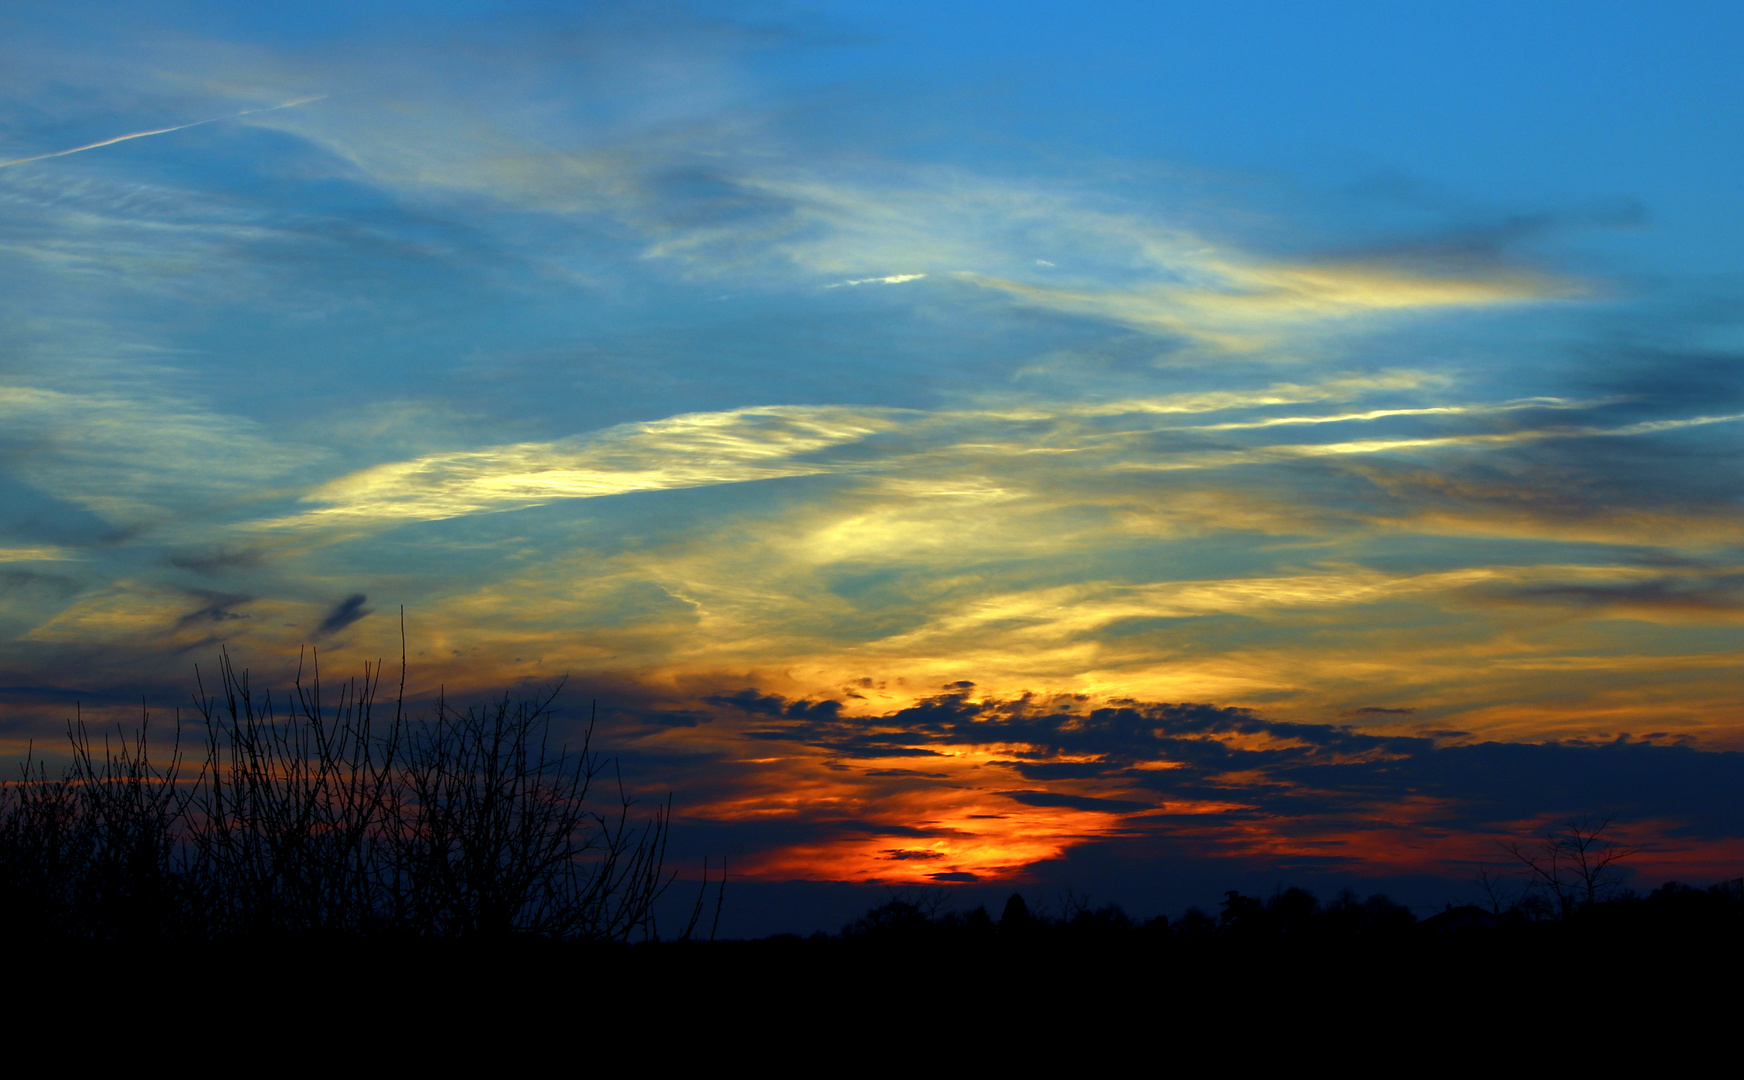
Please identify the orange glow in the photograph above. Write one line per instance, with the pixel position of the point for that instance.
(989, 838)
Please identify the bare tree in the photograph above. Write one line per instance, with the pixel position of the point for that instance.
(1497, 892)
(1576, 864)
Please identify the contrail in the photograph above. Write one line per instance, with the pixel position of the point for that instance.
(161, 131)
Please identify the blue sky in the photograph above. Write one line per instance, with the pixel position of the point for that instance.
(768, 368)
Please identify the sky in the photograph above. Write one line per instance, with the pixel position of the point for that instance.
(1127, 447)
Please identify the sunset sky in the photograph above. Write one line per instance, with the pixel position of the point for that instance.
(999, 445)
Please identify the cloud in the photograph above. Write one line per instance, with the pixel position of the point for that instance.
(1076, 802)
(138, 459)
(216, 561)
(35, 554)
(217, 609)
(682, 451)
(1250, 305)
(893, 279)
(1700, 596)
(344, 613)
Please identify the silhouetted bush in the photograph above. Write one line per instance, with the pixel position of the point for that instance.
(330, 820)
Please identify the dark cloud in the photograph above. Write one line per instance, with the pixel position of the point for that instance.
(1056, 770)
(1637, 364)
(1490, 784)
(857, 746)
(881, 828)
(216, 609)
(1076, 802)
(1098, 742)
(908, 773)
(1712, 594)
(1306, 776)
(750, 701)
(16, 581)
(1378, 710)
(1480, 242)
(216, 560)
(35, 516)
(672, 718)
(772, 705)
(345, 613)
(61, 695)
(1591, 471)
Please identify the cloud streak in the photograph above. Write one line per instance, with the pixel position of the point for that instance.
(893, 279)
(679, 452)
(160, 131)
(1247, 305)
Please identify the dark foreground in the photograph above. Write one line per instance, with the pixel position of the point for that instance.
(1286, 947)
(1648, 983)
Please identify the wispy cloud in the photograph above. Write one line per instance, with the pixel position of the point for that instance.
(680, 452)
(893, 279)
(139, 458)
(35, 554)
(1245, 306)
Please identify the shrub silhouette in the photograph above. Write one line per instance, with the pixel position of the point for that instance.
(331, 819)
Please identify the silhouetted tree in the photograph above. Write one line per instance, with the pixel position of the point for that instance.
(1241, 915)
(1195, 924)
(1015, 920)
(905, 917)
(1108, 921)
(1294, 912)
(1574, 865)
